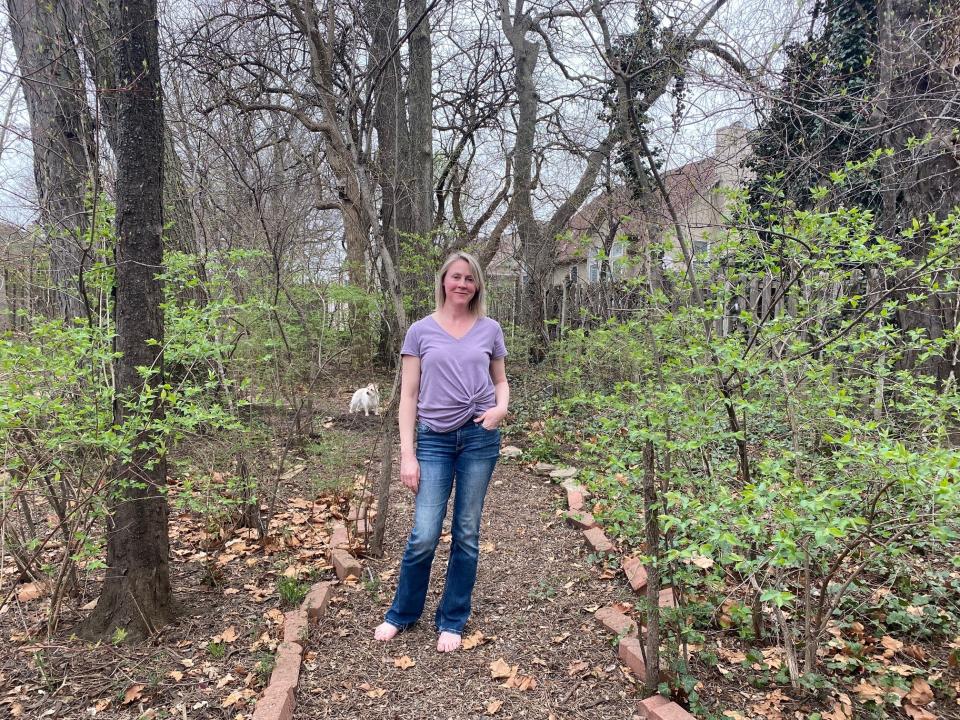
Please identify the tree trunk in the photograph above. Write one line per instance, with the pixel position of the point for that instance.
(651, 510)
(537, 259)
(419, 98)
(136, 595)
(917, 97)
(64, 159)
(97, 45)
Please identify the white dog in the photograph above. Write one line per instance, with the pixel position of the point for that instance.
(366, 399)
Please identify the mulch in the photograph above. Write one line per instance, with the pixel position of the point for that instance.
(533, 603)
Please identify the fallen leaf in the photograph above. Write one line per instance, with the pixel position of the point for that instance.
(292, 472)
(557, 639)
(176, 675)
(891, 645)
(32, 591)
(918, 713)
(494, 706)
(274, 615)
(133, 693)
(920, 693)
(224, 681)
(904, 670)
(702, 561)
(232, 699)
(500, 669)
(404, 662)
(230, 634)
(842, 709)
(916, 652)
(577, 667)
(869, 693)
(372, 692)
(520, 682)
(471, 641)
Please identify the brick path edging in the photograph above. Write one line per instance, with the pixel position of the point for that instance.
(279, 699)
(629, 650)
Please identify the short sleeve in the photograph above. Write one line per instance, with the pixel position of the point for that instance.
(411, 341)
(499, 344)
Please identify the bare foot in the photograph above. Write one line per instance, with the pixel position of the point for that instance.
(385, 631)
(448, 642)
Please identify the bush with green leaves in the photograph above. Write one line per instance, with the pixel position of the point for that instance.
(800, 446)
(60, 442)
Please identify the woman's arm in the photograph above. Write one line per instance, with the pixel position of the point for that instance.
(407, 419)
(501, 388)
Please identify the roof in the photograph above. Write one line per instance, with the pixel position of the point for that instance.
(636, 218)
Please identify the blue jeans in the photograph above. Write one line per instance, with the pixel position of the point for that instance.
(465, 457)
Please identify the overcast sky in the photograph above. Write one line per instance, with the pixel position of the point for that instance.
(714, 97)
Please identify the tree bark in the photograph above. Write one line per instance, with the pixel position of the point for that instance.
(916, 103)
(136, 595)
(93, 17)
(64, 158)
(419, 98)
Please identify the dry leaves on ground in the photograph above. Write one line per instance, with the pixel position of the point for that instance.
(32, 591)
(372, 692)
(842, 709)
(404, 662)
(500, 669)
(476, 639)
(132, 694)
(920, 693)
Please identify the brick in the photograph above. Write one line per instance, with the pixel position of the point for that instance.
(564, 473)
(295, 626)
(646, 707)
(575, 499)
(364, 527)
(357, 512)
(631, 654)
(636, 573)
(345, 564)
(615, 621)
(597, 541)
(666, 598)
(286, 671)
(574, 486)
(339, 537)
(316, 601)
(277, 703)
(670, 711)
(582, 520)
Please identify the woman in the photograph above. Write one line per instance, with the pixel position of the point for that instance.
(453, 396)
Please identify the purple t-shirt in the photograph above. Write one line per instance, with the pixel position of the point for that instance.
(455, 382)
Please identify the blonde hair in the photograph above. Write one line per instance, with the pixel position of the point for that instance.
(478, 303)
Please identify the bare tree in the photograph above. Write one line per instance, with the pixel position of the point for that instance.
(136, 594)
(64, 154)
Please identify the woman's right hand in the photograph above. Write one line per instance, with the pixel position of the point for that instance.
(410, 472)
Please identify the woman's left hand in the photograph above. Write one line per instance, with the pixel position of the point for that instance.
(491, 418)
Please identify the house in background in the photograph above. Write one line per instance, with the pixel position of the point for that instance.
(616, 226)
(614, 232)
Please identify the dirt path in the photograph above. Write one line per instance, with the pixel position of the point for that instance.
(533, 601)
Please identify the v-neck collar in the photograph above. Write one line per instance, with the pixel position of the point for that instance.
(450, 335)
